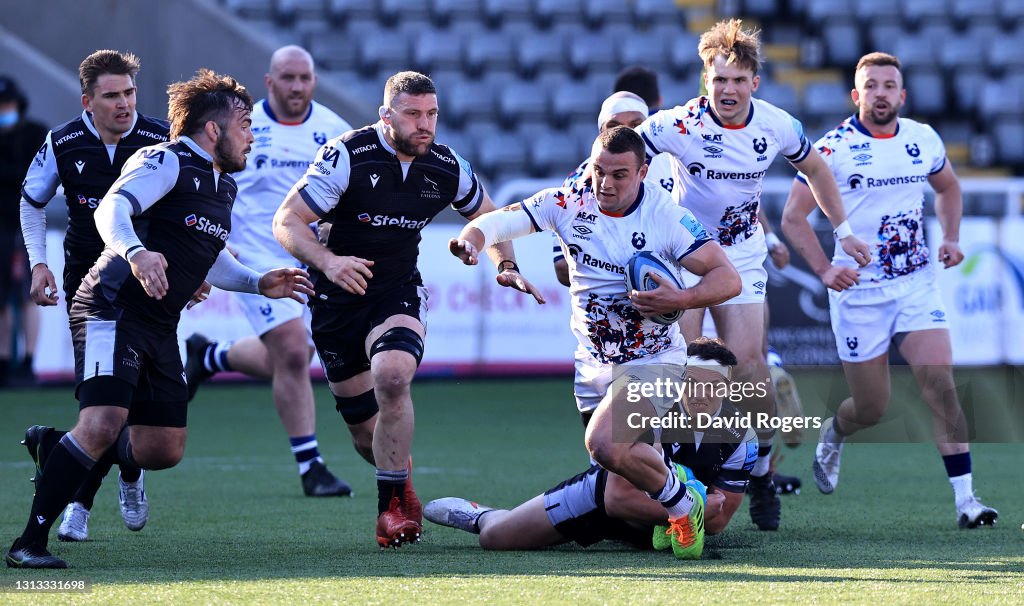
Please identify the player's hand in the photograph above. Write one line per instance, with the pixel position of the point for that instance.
(286, 283)
(44, 288)
(780, 255)
(839, 278)
(464, 250)
(661, 300)
(513, 279)
(200, 295)
(350, 273)
(949, 253)
(149, 267)
(858, 249)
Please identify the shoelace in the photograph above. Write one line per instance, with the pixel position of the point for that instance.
(683, 531)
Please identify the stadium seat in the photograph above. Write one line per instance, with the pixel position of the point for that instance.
(1005, 53)
(576, 101)
(597, 52)
(764, 9)
(780, 94)
(370, 91)
(1011, 12)
(333, 50)
(499, 12)
(391, 11)
(883, 37)
(678, 91)
(842, 43)
(965, 10)
(553, 154)
(914, 11)
(826, 99)
(522, 101)
(539, 52)
(548, 12)
(432, 52)
(443, 12)
(870, 12)
(915, 51)
(682, 54)
(379, 51)
(926, 93)
(823, 11)
(648, 50)
(1010, 142)
(967, 85)
(340, 12)
(649, 12)
(999, 99)
(468, 101)
(602, 12)
(486, 51)
(499, 153)
(286, 12)
(462, 143)
(583, 135)
(964, 50)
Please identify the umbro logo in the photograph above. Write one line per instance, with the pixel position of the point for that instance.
(80, 165)
(582, 230)
(373, 180)
(196, 181)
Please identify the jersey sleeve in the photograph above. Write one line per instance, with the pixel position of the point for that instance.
(146, 177)
(666, 132)
(326, 179)
(659, 172)
(937, 149)
(686, 235)
(42, 179)
(470, 194)
(736, 470)
(546, 207)
(793, 143)
(827, 152)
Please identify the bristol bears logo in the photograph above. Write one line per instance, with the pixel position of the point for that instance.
(695, 168)
(320, 138)
(760, 145)
(266, 310)
(851, 343)
(667, 184)
(855, 181)
(261, 161)
(639, 240)
(913, 150)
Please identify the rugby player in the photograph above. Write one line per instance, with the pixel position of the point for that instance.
(882, 163)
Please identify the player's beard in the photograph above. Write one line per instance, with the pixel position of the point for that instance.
(884, 119)
(226, 158)
(405, 145)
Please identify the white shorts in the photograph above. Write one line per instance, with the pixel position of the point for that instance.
(593, 379)
(864, 320)
(748, 257)
(266, 314)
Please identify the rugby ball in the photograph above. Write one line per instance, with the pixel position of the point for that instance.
(638, 277)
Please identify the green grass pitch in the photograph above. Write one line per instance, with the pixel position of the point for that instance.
(230, 525)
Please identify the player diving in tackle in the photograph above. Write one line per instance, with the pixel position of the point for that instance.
(598, 505)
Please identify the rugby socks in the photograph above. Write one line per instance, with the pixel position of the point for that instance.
(674, 497)
(215, 358)
(87, 491)
(834, 434)
(66, 467)
(958, 468)
(764, 459)
(390, 484)
(305, 450)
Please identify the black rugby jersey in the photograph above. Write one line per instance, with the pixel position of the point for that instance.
(73, 155)
(181, 208)
(370, 206)
(724, 456)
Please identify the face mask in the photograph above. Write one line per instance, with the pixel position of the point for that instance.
(8, 118)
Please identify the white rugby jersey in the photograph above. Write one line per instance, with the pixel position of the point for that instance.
(599, 245)
(882, 181)
(280, 155)
(719, 168)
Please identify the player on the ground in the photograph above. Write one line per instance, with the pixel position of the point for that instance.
(616, 339)
(882, 163)
(724, 143)
(164, 222)
(289, 127)
(372, 190)
(597, 505)
(85, 156)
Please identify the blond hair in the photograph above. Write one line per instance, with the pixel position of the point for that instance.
(728, 38)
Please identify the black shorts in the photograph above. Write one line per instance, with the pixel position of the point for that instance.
(129, 363)
(340, 331)
(74, 273)
(576, 509)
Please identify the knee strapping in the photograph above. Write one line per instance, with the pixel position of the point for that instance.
(357, 409)
(399, 338)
